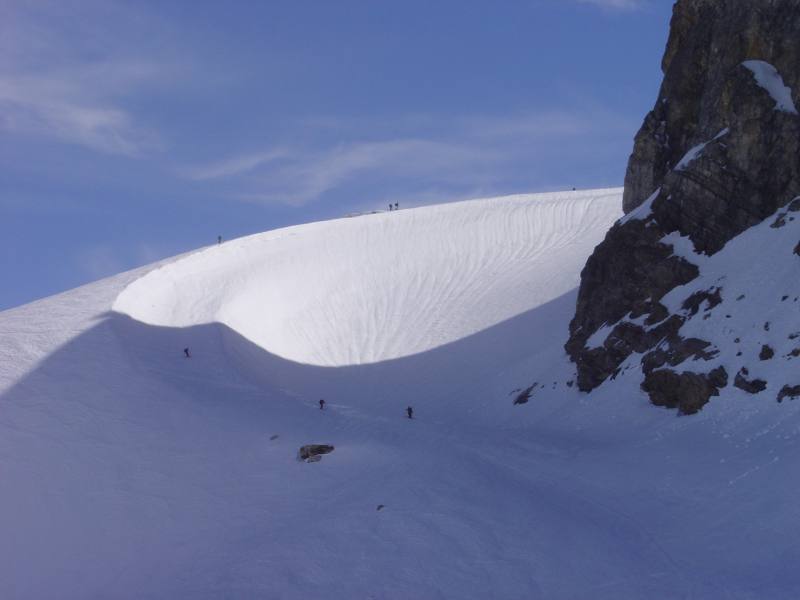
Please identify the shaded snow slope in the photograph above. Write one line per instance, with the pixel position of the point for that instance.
(130, 471)
(383, 286)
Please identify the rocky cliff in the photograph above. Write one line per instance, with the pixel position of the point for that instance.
(717, 155)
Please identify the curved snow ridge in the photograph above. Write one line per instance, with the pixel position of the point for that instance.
(382, 286)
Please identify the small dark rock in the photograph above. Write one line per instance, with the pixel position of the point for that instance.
(779, 221)
(688, 392)
(783, 299)
(272, 438)
(718, 377)
(797, 249)
(524, 395)
(711, 296)
(750, 386)
(380, 507)
(311, 451)
(789, 391)
(740, 298)
(766, 352)
(570, 383)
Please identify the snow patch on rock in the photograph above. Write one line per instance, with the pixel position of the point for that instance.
(770, 80)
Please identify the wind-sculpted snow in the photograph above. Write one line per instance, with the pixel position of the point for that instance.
(132, 472)
(384, 286)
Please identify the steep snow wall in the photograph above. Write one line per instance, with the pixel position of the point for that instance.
(383, 286)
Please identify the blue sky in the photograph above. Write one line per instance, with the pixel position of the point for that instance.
(132, 131)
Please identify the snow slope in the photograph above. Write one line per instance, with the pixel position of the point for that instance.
(130, 471)
(383, 286)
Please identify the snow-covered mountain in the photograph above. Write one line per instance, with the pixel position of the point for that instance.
(131, 471)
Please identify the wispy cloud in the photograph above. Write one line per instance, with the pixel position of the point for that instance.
(232, 166)
(615, 4)
(438, 156)
(63, 80)
(308, 175)
(51, 105)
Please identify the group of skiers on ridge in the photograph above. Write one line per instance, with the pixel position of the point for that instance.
(396, 206)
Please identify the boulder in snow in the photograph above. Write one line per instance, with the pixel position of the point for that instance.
(313, 452)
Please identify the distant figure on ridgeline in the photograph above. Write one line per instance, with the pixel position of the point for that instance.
(390, 207)
(321, 404)
(186, 352)
(396, 205)
(219, 239)
(410, 412)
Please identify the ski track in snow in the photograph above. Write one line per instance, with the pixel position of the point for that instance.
(130, 471)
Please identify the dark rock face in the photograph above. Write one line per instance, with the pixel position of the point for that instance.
(688, 392)
(751, 386)
(789, 391)
(766, 352)
(311, 451)
(717, 155)
(708, 40)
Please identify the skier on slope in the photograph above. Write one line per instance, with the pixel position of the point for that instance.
(186, 352)
(321, 404)
(410, 412)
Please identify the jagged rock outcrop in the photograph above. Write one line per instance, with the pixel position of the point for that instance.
(719, 153)
(708, 41)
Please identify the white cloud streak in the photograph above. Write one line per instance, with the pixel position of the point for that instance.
(68, 82)
(615, 4)
(457, 153)
(233, 166)
(307, 176)
(55, 107)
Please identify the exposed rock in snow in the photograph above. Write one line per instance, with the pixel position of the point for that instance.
(751, 386)
(722, 160)
(311, 451)
(688, 392)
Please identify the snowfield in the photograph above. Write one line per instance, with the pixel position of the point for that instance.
(130, 471)
(384, 286)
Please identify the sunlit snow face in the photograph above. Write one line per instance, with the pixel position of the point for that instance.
(382, 286)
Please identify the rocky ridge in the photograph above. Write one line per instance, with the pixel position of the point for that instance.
(718, 155)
